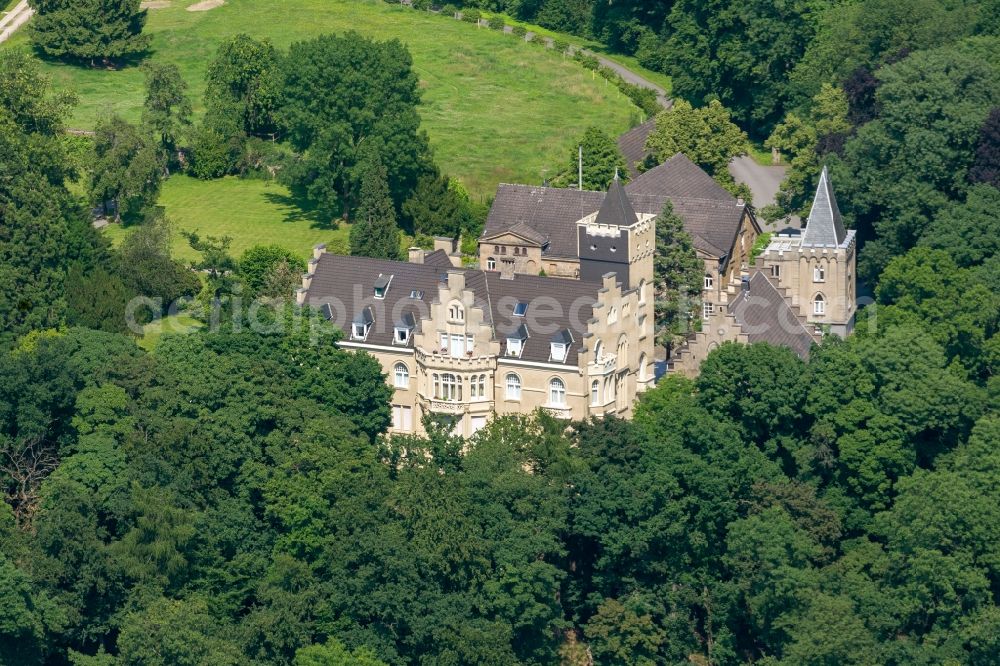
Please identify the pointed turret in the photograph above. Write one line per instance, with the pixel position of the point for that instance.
(617, 209)
(825, 227)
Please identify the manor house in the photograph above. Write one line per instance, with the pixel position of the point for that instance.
(559, 313)
(467, 343)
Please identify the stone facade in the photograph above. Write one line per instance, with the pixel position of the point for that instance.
(466, 344)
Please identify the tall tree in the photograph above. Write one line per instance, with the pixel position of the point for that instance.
(43, 229)
(127, 170)
(677, 277)
(336, 114)
(109, 30)
(374, 232)
(739, 52)
(601, 161)
(706, 135)
(436, 208)
(901, 169)
(243, 84)
(167, 108)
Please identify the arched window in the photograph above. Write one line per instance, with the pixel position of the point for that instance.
(642, 292)
(612, 315)
(401, 375)
(477, 386)
(643, 376)
(595, 392)
(448, 388)
(819, 274)
(709, 281)
(609, 390)
(598, 352)
(456, 313)
(557, 392)
(513, 387)
(819, 304)
(622, 352)
(491, 264)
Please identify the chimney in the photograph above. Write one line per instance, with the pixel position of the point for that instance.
(745, 285)
(506, 269)
(445, 243)
(740, 202)
(415, 255)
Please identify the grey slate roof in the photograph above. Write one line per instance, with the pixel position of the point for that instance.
(616, 209)
(550, 211)
(437, 258)
(824, 227)
(338, 279)
(765, 315)
(632, 145)
(679, 177)
(710, 214)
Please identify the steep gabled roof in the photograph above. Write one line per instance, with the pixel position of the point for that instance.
(551, 212)
(632, 145)
(765, 315)
(824, 227)
(679, 177)
(616, 209)
(710, 214)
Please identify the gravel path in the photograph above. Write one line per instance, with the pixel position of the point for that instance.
(14, 19)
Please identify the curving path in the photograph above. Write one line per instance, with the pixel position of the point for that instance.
(14, 19)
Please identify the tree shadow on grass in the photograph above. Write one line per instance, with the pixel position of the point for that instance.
(299, 209)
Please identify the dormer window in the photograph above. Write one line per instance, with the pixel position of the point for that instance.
(416, 294)
(515, 341)
(520, 309)
(403, 330)
(382, 285)
(559, 346)
(362, 324)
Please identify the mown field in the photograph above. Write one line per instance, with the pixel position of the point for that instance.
(251, 212)
(496, 109)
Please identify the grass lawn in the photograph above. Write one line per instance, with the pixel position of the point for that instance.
(631, 62)
(496, 110)
(251, 212)
(179, 323)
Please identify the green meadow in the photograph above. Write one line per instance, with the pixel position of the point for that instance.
(495, 109)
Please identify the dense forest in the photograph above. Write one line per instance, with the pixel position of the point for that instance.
(229, 497)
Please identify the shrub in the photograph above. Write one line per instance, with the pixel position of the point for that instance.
(561, 46)
(422, 5)
(519, 31)
(496, 23)
(471, 15)
(449, 10)
(212, 154)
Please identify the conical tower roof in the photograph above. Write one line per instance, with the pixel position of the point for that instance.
(825, 226)
(616, 208)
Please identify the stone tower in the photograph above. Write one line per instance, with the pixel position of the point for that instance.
(616, 239)
(818, 266)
